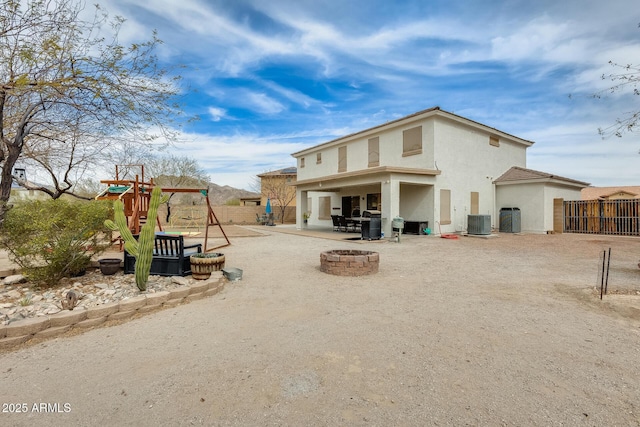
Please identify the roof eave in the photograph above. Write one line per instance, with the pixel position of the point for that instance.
(545, 180)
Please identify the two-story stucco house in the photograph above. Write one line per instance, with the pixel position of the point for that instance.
(432, 166)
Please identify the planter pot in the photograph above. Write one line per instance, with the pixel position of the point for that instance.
(109, 266)
(202, 265)
(79, 273)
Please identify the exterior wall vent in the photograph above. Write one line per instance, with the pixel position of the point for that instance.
(479, 224)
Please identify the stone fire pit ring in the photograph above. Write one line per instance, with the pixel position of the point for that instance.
(346, 262)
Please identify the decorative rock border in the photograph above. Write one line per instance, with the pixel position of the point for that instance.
(349, 262)
(46, 327)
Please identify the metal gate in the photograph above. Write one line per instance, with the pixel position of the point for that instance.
(618, 217)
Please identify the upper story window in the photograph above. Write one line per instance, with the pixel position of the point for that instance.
(301, 162)
(342, 159)
(374, 151)
(318, 158)
(494, 141)
(412, 141)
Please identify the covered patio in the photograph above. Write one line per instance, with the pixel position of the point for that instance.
(395, 192)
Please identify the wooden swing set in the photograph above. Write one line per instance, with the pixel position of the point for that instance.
(136, 195)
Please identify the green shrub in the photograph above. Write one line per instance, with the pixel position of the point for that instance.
(51, 239)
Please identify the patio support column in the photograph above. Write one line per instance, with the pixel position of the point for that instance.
(301, 208)
(390, 193)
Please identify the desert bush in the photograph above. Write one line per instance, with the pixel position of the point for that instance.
(51, 239)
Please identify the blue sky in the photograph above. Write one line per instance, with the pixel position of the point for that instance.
(269, 78)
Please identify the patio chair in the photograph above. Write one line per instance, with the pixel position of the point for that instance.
(354, 225)
(336, 222)
(342, 223)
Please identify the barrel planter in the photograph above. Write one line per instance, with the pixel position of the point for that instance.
(202, 265)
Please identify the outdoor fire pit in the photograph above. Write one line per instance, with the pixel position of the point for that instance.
(349, 262)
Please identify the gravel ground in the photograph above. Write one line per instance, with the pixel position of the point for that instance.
(499, 331)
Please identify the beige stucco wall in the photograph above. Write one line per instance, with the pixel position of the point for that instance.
(529, 198)
(470, 164)
(535, 201)
(358, 152)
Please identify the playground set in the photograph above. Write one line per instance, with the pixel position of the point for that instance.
(135, 195)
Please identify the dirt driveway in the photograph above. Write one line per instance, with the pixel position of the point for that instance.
(501, 331)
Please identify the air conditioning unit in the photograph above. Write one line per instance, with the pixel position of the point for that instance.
(479, 224)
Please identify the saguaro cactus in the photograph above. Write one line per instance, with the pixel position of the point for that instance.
(141, 249)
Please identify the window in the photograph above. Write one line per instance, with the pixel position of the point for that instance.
(475, 203)
(373, 202)
(342, 159)
(494, 141)
(412, 141)
(318, 158)
(324, 207)
(445, 207)
(301, 162)
(374, 151)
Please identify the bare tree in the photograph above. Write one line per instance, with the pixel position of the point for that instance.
(176, 172)
(626, 77)
(64, 163)
(66, 91)
(278, 187)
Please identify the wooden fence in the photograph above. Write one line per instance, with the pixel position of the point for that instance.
(618, 217)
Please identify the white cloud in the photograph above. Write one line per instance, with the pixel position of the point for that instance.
(217, 113)
(235, 160)
(292, 95)
(262, 103)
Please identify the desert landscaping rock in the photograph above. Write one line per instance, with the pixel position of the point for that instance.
(505, 331)
(14, 279)
(20, 301)
(14, 294)
(33, 315)
(182, 281)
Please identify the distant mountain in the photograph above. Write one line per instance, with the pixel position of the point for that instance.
(219, 195)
